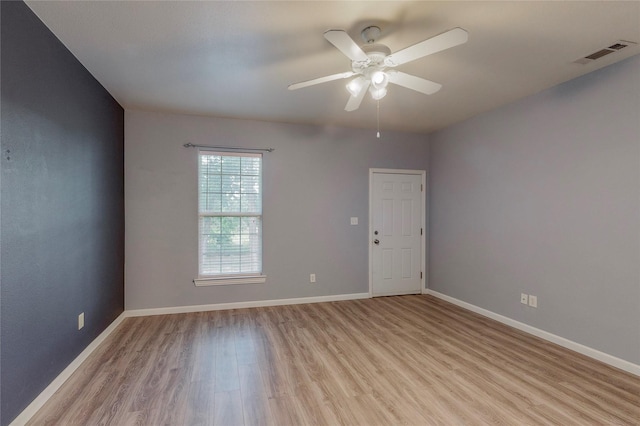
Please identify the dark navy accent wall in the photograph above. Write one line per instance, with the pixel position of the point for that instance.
(61, 208)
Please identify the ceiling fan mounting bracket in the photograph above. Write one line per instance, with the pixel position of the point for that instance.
(370, 34)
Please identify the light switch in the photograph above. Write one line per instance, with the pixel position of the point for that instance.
(354, 220)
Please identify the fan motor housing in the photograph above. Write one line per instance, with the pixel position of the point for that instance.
(376, 54)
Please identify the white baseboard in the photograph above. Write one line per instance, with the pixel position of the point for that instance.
(48, 392)
(569, 344)
(241, 305)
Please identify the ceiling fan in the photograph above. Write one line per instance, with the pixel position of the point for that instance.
(373, 64)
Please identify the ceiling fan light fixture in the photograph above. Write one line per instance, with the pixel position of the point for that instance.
(355, 86)
(378, 93)
(379, 79)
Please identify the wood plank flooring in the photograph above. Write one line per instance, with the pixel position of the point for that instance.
(413, 360)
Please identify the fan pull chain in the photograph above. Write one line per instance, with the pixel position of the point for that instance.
(378, 119)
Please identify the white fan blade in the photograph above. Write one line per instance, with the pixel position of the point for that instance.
(332, 77)
(430, 46)
(414, 83)
(354, 101)
(346, 45)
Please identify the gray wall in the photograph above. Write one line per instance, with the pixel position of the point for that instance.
(62, 228)
(315, 180)
(543, 197)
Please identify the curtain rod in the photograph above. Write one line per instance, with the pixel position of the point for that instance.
(230, 148)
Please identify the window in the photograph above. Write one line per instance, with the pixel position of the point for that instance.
(230, 218)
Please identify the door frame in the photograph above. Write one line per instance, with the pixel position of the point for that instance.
(423, 245)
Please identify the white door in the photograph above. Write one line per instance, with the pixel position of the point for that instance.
(396, 232)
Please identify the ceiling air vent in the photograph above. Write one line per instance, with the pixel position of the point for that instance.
(618, 45)
(599, 54)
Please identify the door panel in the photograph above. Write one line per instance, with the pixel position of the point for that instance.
(397, 218)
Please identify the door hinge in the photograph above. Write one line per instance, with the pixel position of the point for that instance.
(421, 187)
(420, 231)
(420, 275)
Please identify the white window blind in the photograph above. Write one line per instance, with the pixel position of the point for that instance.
(230, 214)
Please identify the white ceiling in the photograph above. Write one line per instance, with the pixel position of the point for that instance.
(236, 59)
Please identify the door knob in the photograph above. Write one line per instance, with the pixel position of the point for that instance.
(376, 241)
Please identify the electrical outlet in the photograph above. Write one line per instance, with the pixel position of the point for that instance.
(524, 299)
(354, 220)
(80, 320)
(533, 301)
(312, 278)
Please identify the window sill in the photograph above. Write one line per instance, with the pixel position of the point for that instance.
(229, 280)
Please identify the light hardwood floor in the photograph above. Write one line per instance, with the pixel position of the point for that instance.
(412, 360)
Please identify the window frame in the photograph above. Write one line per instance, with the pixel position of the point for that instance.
(228, 278)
